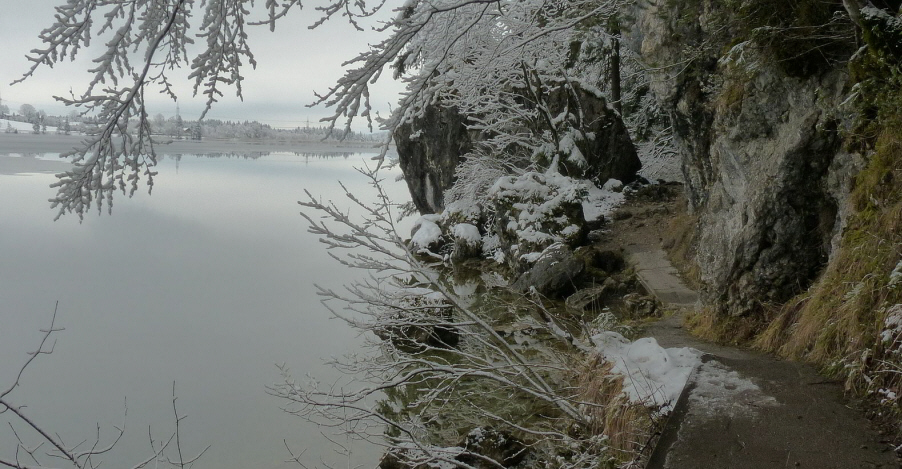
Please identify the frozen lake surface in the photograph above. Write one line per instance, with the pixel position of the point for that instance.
(208, 283)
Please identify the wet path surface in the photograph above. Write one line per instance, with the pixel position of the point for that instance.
(743, 409)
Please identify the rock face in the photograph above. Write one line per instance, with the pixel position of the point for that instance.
(761, 157)
(428, 150)
(611, 153)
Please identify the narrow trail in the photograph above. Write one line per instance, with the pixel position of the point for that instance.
(743, 409)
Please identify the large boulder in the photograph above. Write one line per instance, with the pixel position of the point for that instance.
(603, 140)
(432, 146)
(555, 274)
(429, 149)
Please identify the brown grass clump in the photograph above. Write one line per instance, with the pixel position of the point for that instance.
(627, 425)
(681, 243)
(707, 324)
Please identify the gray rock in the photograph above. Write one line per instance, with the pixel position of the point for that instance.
(589, 299)
(429, 149)
(554, 275)
(636, 306)
(611, 154)
(761, 158)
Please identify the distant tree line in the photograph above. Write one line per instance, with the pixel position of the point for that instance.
(177, 128)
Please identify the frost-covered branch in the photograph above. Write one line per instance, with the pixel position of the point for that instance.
(438, 364)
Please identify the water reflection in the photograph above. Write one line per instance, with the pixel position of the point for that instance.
(24, 163)
(253, 155)
(209, 282)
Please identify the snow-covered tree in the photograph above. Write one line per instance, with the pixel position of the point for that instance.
(28, 112)
(440, 49)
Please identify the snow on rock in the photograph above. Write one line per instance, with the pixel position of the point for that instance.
(467, 233)
(426, 232)
(602, 202)
(652, 375)
(462, 211)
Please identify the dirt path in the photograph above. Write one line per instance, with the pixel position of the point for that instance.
(741, 409)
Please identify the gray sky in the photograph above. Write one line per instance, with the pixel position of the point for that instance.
(291, 64)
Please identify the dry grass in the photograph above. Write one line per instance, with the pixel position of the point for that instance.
(627, 425)
(708, 324)
(681, 243)
(837, 323)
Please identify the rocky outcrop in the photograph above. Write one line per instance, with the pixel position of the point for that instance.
(609, 153)
(761, 153)
(429, 149)
(554, 275)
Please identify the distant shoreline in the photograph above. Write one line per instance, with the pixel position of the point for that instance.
(27, 143)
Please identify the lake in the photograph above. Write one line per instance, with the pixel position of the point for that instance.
(209, 282)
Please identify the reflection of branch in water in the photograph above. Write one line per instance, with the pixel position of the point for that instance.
(324, 154)
(48, 444)
(253, 155)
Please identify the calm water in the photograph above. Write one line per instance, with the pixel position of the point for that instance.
(208, 282)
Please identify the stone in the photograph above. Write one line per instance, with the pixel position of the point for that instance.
(555, 275)
(467, 242)
(611, 153)
(636, 306)
(429, 150)
(500, 446)
(589, 299)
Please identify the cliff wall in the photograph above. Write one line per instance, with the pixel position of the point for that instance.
(761, 146)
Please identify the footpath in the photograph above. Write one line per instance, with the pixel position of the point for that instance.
(742, 409)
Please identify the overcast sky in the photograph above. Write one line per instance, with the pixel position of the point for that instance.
(292, 62)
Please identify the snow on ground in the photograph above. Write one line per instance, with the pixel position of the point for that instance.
(652, 375)
(25, 127)
(601, 202)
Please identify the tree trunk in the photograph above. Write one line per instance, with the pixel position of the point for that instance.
(615, 74)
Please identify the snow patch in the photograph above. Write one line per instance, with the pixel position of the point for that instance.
(602, 202)
(425, 232)
(467, 233)
(720, 391)
(21, 127)
(652, 375)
